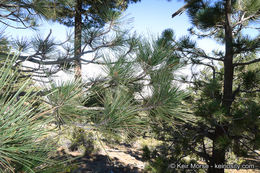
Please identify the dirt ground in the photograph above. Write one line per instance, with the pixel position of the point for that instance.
(111, 160)
(120, 159)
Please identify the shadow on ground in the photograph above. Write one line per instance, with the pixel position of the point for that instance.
(102, 164)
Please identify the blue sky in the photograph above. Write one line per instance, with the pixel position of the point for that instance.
(154, 16)
(150, 17)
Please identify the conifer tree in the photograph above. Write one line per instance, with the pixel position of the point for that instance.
(220, 101)
(85, 15)
(96, 26)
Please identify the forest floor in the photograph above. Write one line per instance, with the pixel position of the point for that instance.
(123, 158)
(104, 156)
(120, 159)
(107, 157)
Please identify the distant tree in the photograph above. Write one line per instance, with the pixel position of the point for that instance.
(96, 27)
(83, 15)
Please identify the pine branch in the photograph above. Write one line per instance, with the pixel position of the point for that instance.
(102, 108)
(201, 54)
(200, 35)
(248, 91)
(184, 81)
(249, 148)
(15, 27)
(208, 65)
(246, 63)
(242, 20)
(183, 8)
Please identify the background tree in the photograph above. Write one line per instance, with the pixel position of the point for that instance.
(85, 15)
(96, 28)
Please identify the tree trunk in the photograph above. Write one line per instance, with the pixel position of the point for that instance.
(228, 61)
(77, 37)
(218, 153)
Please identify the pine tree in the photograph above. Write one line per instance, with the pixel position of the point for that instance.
(221, 94)
(96, 27)
(83, 15)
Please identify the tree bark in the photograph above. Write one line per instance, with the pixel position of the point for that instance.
(77, 37)
(218, 153)
(228, 60)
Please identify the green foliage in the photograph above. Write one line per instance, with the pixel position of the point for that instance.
(159, 61)
(160, 165)
(21, 14)
(155, 53)
(81, 139)
(199, 13)
(44, 46)
(146, 153)
(186, 42)
(120, 114)
(94, 13)
(117, 103)
(95, 96)
(121, 72)
(203, 21)
(251, 6)
(250, 79)
(63, 99)
(245, 44)
(3, 43)
(166, 97)
(22, 146)
(222, 142)
(208, 105)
